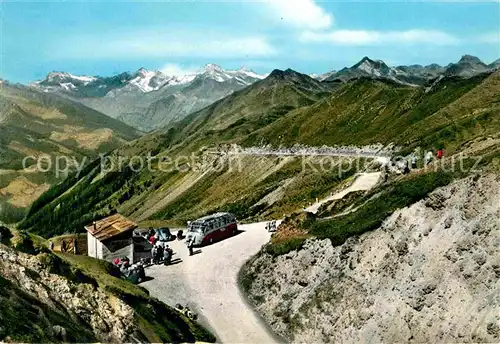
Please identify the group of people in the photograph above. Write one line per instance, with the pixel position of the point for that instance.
(406, 165)
(135, 272)
(161, 252)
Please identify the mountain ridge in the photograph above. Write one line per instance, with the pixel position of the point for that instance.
(414, 75)
(283, 110)
(143, 79)
(148, 99)
(36, 124)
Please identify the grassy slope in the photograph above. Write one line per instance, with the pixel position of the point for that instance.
(370, 210)
(29, 120)
(21, 313)
(368, 111)
(360, 112)
(30, 103)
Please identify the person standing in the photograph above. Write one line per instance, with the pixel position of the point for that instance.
(152, 240)
(190, 244)
(440, 153)
(414, 159)
(428, 157)
(160, 252)
(154, 252)
(406, 167)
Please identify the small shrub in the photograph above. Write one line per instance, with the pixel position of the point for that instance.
(283, 247)
(22, 242)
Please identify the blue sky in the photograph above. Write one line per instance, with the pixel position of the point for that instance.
(106, 38)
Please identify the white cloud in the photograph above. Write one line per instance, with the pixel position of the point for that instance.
(173, 69)
(492, 38)
(162, 43)
(364, 37)
(305, 14)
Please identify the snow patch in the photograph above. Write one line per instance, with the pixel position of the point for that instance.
(369, 68)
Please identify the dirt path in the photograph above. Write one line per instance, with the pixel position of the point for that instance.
(208, 283)
(365, 181)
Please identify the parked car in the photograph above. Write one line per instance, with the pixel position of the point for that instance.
(164, 234)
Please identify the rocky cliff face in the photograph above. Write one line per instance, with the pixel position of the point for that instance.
(44, 298)
(67, 311)
(431, 273)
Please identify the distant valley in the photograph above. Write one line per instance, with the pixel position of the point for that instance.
(36, 129)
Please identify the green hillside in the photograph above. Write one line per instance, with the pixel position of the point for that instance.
(34, 125)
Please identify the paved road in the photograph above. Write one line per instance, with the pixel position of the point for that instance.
(207, 282)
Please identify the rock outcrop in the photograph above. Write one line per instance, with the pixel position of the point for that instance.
(431, 273)
(44, 298)
(66, 310)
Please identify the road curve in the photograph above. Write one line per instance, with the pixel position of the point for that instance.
(207, 282)
(365, 181)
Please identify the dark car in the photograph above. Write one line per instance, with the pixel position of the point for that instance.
(164, 234)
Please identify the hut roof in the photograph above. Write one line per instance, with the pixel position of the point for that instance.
(110, 226)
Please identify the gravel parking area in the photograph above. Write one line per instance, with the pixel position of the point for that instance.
(207, 282)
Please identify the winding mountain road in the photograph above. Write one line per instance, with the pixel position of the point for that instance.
(207, 281)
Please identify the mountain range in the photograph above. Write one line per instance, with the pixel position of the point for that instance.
(148, 100)
(197, 167)
(284, 109)
(415, 75)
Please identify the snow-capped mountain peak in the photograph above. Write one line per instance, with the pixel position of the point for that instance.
(213, 68)
(324, 76)
(148, 81)
(217, 73)
(143, 80)
(64, 77)
(250, 73)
